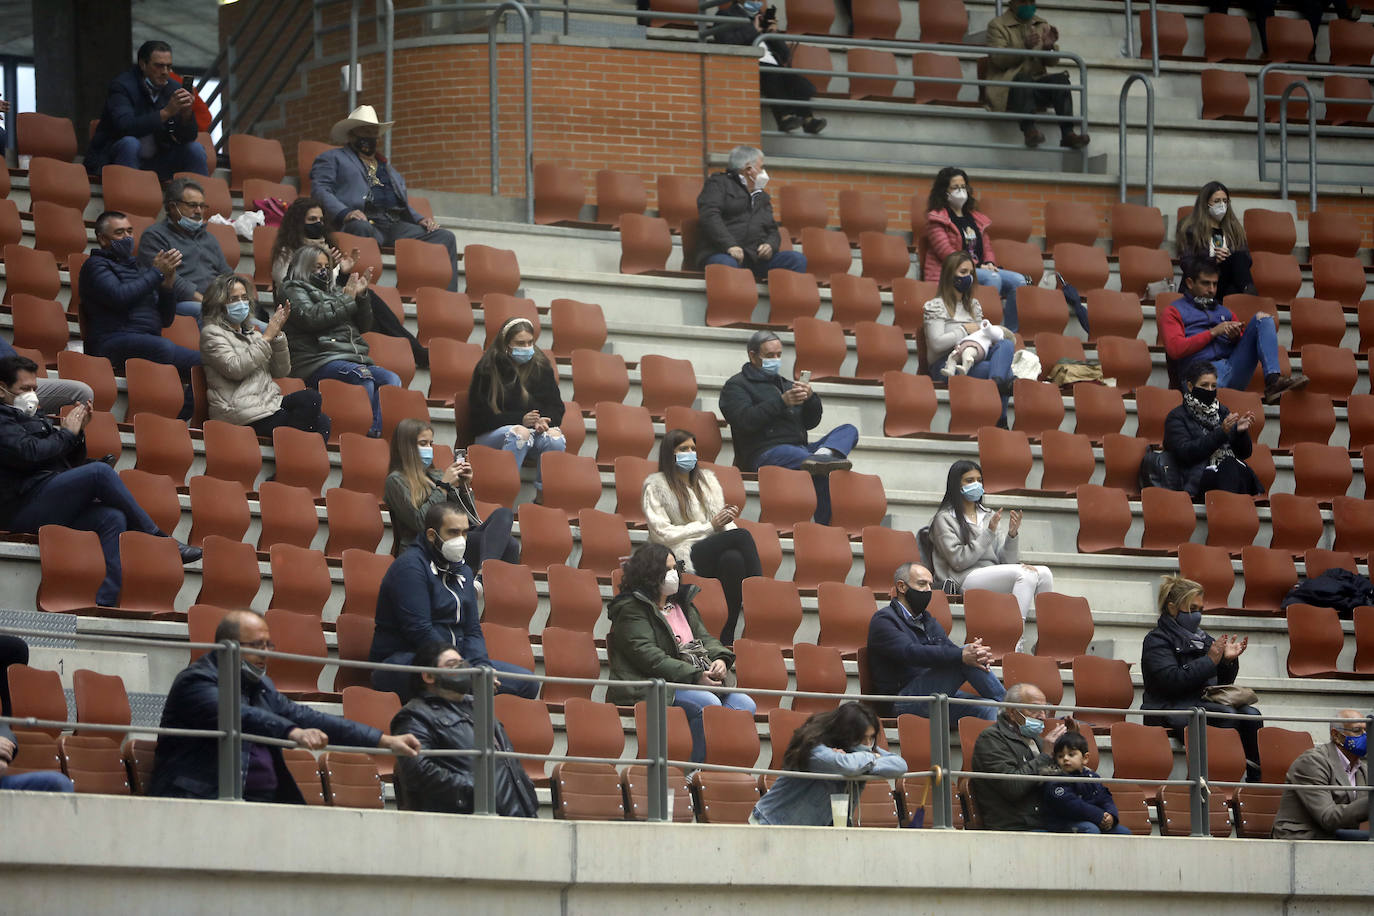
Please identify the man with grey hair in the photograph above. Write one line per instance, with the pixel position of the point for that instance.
(1328, 814)
(1018, 743)
(736, 222)
(183, 228)
(769, 418)
(909, 653)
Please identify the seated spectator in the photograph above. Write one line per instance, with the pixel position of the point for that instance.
(1019, 28)
(13, 651)
(186, 767)
(37, 781)
(1315, 813)
(1197, 326)
(686, 510)
(656, 632)
(954, 223)
(1212, 232)
(1183, 667)
(1209, 442)
(514, 402)
(973, 348)
(776, 81)
(1261, 10)
(769, 418)
(1016, 744)
(303, 224)
(1077, 805)
(242, 364)
(414, 484)
(148, 122)
(440, 717)
(428, 596)
(736, 219)
(53, 393)
(970, 552)
(953, 314)
(910, 655)
(363, 195)
(183, 228)
(46, 479)
(326, 325)
(843, 742)
(127, 304)
(1312, 11)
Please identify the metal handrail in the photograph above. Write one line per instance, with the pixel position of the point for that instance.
(1149, 134)
(1262, 97)
(1311, 142)
(493, 100)
(1128, 46)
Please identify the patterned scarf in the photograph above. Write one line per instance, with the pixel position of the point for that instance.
(1209, 415)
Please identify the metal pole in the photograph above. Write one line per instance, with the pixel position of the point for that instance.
(1197, 772)
(656, 714)
(1149, 135)
(493, 106)
(390, 55)
(484, 720)
(527, 78)
(942, 795)
(230, 721)
(1311, 141)
(1083, 105)
(1154, 37)
(353, 57)
(1128, 43)
(1369, 796)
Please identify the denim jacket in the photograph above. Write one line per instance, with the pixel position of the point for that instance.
(806, 802)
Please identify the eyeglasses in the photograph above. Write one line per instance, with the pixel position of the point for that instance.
(266, 644)
(194, 205)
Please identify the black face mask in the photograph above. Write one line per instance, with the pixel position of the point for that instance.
(1204, 396)
(323, 278)
(365, 146)
(454, 683)
(918, 601)
(314, 230)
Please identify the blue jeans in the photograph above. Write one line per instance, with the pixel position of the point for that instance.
(38, 781)
(840, 440)
(694, 701)
(184, 157)
(190, 307)
(1006, 282)
(781, 260)
(1258, 345)
(398, 682)
(353, 374)
(930, 681)
(88, 498)
(995, 366)
(504, 437)
(1090, 827)
(120, 348)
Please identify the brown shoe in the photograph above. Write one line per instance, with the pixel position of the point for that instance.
(1274, 390)
(1074, 140)
(1034, 138)
(820, 467)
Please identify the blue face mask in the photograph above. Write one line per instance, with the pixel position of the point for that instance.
(238, 310)
(190, 225)
(123, 249)
(973, 492)
(1356, 744)
(1189, 620)
(522, 354)
(752, 7)
(771, 365)
(427, 454)
(685, 460)
(1032, 728)
(963, 284)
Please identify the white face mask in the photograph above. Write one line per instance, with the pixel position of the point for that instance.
(1218, 210)
(958, 196)
(760, 180)
(26, 403)
(670, 583)
(454, 549)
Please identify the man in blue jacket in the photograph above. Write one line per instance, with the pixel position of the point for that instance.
(186, 767)
(429, 595)
(910, 655)
(148, 122)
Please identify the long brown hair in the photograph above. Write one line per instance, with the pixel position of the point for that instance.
(405, 458)
(667, 466)
(843, 727)
(1194, 230)
(500, 370)
(947, 293)
(291, 232)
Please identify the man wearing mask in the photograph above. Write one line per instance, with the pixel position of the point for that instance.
(149, 120)
(1020, 28)
(45, 478)
(186, 767)
(363, 195)
(769, 418)
(909, 653)
(428, 596)
(736, 222)
(182, 228)
(1196, 326)
(1016, 743)
(1328, 814)
(440, 717)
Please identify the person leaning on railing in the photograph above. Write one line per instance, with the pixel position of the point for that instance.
(1020, 28)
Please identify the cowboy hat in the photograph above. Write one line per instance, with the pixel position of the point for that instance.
(362, 116)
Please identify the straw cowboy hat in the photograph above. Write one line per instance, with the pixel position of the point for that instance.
(362, 116)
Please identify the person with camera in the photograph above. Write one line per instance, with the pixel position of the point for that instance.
(778, 85)
(149, 120)
(1020, 28)
(1213, 231)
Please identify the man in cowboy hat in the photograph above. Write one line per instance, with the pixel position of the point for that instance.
(363, 195)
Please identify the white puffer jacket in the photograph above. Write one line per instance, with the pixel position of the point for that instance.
(667, 523)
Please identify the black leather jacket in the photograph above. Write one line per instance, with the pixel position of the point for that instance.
(444, 784)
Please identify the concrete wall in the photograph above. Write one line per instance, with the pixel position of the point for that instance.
(99, 854)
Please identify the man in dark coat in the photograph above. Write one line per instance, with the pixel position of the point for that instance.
(148, 121)
(185, 767)
(1017, 743)
(736, 222)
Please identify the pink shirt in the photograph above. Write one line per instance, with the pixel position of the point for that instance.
(677, 622)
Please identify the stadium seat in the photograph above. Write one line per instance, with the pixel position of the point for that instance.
(677, 198)
(1021, 257)
(529, 729)
(153, 388)
(258, 189)
(1354, 522)
(1364, 641)
(155, 494)
(1295, 522)
(731, 295)
(1317, 559)
(1127, 360)
(1140, 266)
(574, 598)
(351, 780)
(1319, 470)
(622, 429)
(300, 458)
(599, 376)
(1099, 410)
(939, 66)
(288, 515)
(93, 764)
(495, 476)
(1141, 752)
(861, 211)
(619, 193)
(1104, 518)
(59, 182)
(375, 708)
(300, 580)
(802, 205)
(1331, 370)
(1335, 277)
(355, 521)
(723, 797)
(362, 580)
(1122, 456)
(353, 633)
(100, 700)
(845, 611)
(399, 404)
(490, 270)
(201, 622)
(1305, 418)
(255, 157)
(1269, 574)
(759, 666)
(821, 554)
(364, 463)
(1315, 641)
(229, 572)
(645, 243)
(791, 295)
(571, 482)
(973, 404)
(1317, 321)
(440, 313)
(772, 610)
(1211, 567)
(910, 404)
(163, 446)
(545, 536)
(29, 270)
(786, 497)
(58, 229)
(347, 408)
(827, 252)
(1064, 626)
(1270, 230)
(1038, 407)
(45, 135)
(1005, 456)
(995, 617)
(634, 783)
(1070, 221)
(569, 653)
(885, 549)
(1084, 266)
(1170, 518)
(1173, 33)
(605, 541)
(559, 193)
(1232, 521)
(420, 264)
(1226, 38)
(885, 257)
(1040, 310)
(1352, 43)
(1357, 91)
(1152, 406)
(1290, 40)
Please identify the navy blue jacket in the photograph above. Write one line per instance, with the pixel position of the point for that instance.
(426, 599)
(32, 449)
(899, 647)
(122, 297)
(1076, 800)
(751, 402)
(131, 112)
(189, 767)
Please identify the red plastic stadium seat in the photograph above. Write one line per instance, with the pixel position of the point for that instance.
(1225, 38)
(943, 23)
(881, 85)
(1225, 94)
(1104, 517)
(1358, 91)
(940, 66)
(910, 404)
(731, 295)
(803, 205)
(827, 252)
(490, 270)
(645, 243)
(1290, 40)
(877, 19)
(619, 193)
(1169, 518)
(45, 135)
(559, 193)
(255, 157)
(1173, 33)
(1352, 43)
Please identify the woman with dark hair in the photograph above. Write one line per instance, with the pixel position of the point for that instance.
(954, 313)
(970, 551)
(954, 223)
(514, 399)
(414, 484)
(842, 741)
(1213, 231)
(242, 364)
(656, 632)
(687, 514)
(1209, 442)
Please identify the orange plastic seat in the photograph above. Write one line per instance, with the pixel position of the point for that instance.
(1084, 266)
(995, 617)
(1232, 521)
(529, 728)
(299, 634)
(1071, 221)
(1211, 568)
(1290, 40)
(1022, 257)
(1296, 522)
(1141, 752)
(1352, 43)
(229, 575)
(791, 295)
(571, 482)
(440, 313)
(677, 199)
(353, 633)
(45, 135)
(255, 157)
(1354, 522)
(1104, 517)
(645, 243)
(605, 541)
(58, 229)
(40, 324)
(1098, 410)
(1038, 407)
(1225, 94)
(622, 429)
(1005, 456)
(786, 497)
(1125, 359)
(153, 575)
(569, 653)
(845, 611)
(973, 404)
(1331, 370)
(355, 521)
(559, 193)
(827, 252)
(1270, 230)
(300, 580)
(599, 377)
(617, 194)
(1225, 38)
(1315, 640)
(820, 347)
(940, 66)
(759, 666)
(803, 205)
(301, 459)
(155, 494)
(1335, 277)
(772, 610)
(885, 549)
(1064, 626)
(1317, 321)
(821, 554)
(59, 182)
(731, 295)
(163, 446)
(288, 515)
(1277, 276)
(1040, 310)
(910, 404)
(398, 404)
(420, 264)
(1140, 266)
(820, 669)
(1269, 574)
(154, 388)
(1122, 456)
(545, 536)
(490, 270)
(1169, 518)
(351, 780)
(362, 580)
(885, 257)
(30, 270)
(1319, 470)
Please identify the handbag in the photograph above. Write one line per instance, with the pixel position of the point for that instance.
(1230, 695)
(695, 652)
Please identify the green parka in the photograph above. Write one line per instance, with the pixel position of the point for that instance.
(641, 646)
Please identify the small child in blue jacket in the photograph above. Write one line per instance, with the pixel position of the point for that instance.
(1076, 805)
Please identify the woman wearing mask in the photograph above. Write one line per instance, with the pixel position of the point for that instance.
(1183, 666)
(954, 223)
(414, 484)
(1209, 442)
(514, 399)
(1213, 231)
(657, 633)
(954, 313)
(842, 742)
(242, 363)
(326, 325)
(687, 514)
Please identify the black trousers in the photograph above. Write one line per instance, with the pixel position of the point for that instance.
(299, 410)
(492, 540)
(384, 321)
(1234, 274)
(13, 651)
(1312, 11)
(731, 557)
(1041, 93)
(782, 83)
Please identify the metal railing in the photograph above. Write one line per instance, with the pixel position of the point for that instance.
(1128, 45)
(1283, 160)
(1149, 134)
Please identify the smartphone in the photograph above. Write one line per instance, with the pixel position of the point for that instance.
(805, 378)
(1218, 240)
(460, 455)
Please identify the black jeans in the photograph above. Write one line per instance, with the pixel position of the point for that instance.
(384, 321)
(731, 557)
(1040, 93)
(781, 83)
(299, 410)
(13, 651)
(492, 540)
(1312, 11)
(1234, 274)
